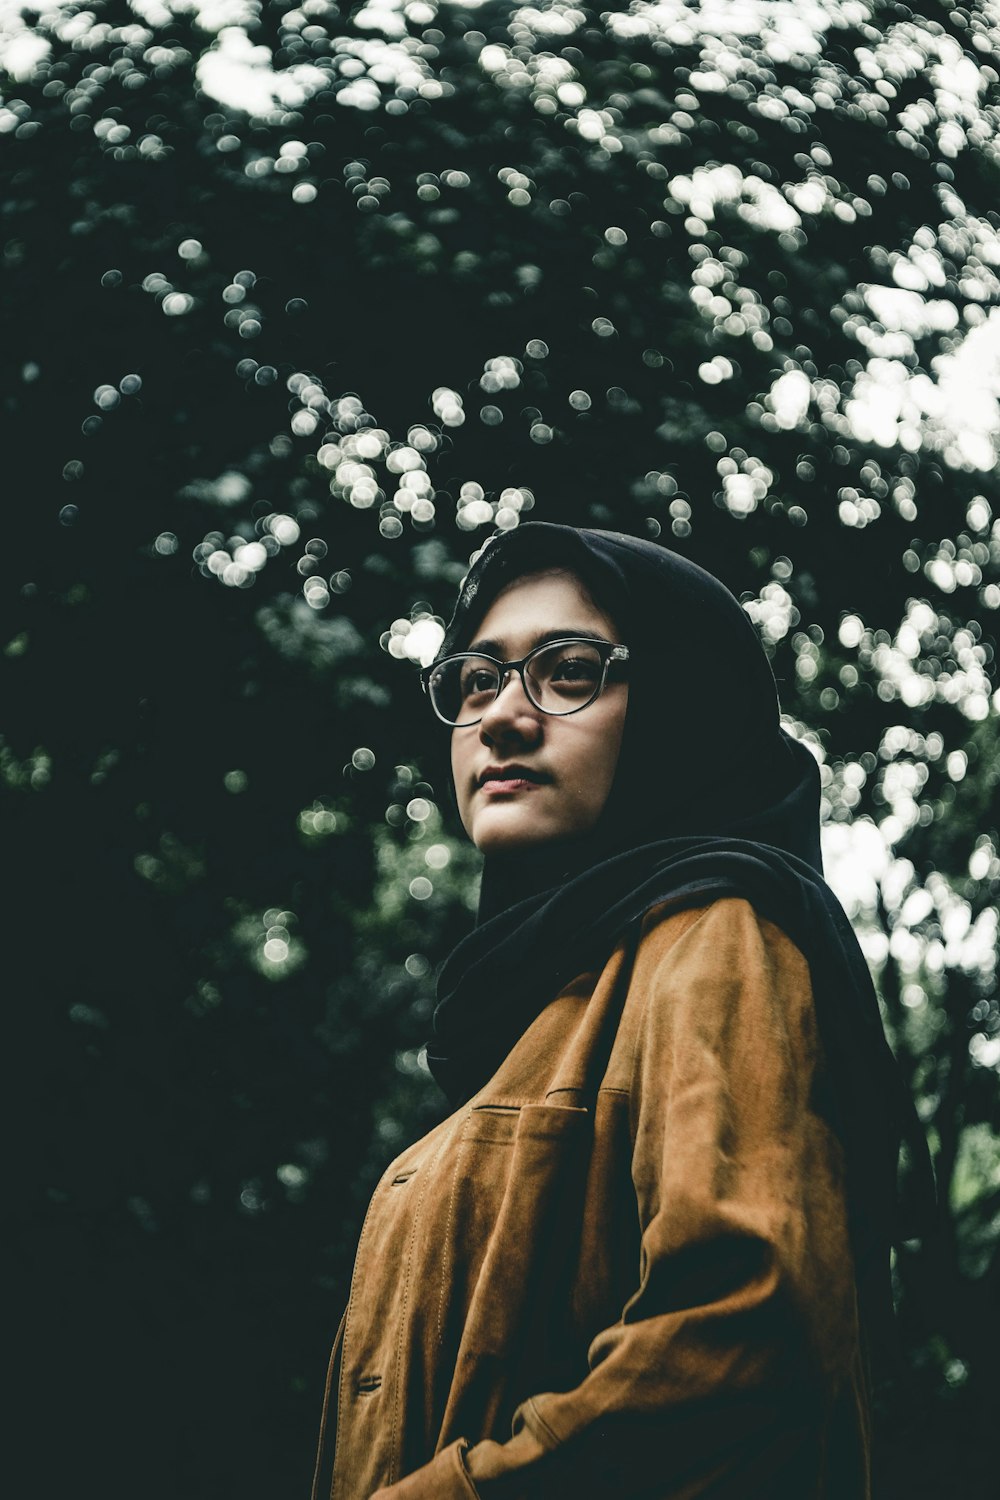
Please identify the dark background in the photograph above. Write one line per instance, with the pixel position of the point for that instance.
(500, 249)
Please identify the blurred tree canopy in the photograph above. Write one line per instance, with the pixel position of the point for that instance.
(300, 306)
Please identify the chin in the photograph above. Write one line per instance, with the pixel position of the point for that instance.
(503, 836)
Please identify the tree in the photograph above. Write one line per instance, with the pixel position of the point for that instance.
(299, 309)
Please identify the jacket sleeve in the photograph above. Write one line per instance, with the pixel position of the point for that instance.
(741, 1336)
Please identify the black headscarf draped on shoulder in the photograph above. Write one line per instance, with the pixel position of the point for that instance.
(711, 798)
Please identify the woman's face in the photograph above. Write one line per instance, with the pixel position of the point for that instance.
(522, 776)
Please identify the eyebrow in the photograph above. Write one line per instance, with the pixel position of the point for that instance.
(497, 648)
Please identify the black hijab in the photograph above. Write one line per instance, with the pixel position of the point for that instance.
(711, 798)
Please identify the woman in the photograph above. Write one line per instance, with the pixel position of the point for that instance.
(643, 1255)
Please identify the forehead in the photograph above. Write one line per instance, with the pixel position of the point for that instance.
(537, 603)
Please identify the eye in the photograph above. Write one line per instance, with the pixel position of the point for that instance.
(478, 678)
(571, 672)
(576, 669)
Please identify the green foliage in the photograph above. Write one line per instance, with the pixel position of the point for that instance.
(289, 332)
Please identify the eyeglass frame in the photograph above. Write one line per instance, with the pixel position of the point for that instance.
(616, 654)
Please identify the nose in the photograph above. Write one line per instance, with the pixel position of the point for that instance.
(511, 717)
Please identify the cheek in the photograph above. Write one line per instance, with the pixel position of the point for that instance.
(603, 783)
(608, 748)
(590, 775)
(456, 767)
(460, 774)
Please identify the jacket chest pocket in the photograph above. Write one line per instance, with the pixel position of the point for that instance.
(510, 1218)
(453, 1283)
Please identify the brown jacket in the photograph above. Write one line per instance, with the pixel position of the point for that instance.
(623, 1268)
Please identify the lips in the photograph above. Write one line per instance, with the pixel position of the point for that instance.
(510, 777)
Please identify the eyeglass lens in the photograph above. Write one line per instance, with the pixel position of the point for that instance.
(559, 679)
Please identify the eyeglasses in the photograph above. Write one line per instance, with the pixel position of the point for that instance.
(559, 677)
